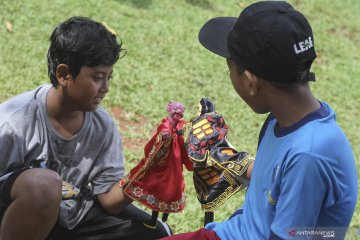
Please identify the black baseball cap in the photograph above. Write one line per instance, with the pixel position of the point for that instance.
(270, 39)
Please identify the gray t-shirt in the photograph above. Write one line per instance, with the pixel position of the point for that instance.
(92, 160)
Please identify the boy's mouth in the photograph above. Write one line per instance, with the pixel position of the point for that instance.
(98, 100)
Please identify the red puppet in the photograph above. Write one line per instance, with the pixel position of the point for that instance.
(157, 181)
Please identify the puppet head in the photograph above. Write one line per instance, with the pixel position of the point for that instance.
(176, 110)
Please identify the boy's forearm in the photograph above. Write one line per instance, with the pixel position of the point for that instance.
(115, 200)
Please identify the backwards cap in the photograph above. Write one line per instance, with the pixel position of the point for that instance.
(269, 38)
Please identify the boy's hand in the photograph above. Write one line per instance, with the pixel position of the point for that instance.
(165, 135)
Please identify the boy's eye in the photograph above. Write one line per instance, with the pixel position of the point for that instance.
(98, 77)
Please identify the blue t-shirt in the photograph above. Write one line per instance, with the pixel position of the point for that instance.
(304, 176)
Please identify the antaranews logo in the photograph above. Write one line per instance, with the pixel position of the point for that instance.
(292, 233)
(317, 233)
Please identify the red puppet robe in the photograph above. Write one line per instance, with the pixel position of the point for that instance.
(157, 181)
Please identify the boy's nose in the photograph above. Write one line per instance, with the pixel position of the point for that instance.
(105, 86)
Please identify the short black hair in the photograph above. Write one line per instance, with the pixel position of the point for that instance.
(80, 41)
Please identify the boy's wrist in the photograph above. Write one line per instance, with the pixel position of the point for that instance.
(249, 170)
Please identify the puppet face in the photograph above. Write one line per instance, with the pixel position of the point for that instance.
(176, 110)
(176, 116)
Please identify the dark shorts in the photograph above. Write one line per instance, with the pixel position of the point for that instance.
(96, 224)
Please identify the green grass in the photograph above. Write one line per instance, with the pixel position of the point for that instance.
(166, 62)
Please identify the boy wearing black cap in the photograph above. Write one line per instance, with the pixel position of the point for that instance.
(304, 177)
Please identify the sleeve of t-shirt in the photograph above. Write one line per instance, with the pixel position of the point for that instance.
(109, 167)
(11, 156)
(307, 184)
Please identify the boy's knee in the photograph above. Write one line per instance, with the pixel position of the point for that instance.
(40, 187)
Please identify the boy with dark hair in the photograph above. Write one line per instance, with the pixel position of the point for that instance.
(304, 176)
(61, 155)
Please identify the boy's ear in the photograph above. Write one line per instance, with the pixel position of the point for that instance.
(253, 82)
(63, 74)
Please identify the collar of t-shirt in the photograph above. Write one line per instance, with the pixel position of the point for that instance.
(319, 113)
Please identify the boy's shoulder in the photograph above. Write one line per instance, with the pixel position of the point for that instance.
(320, 136)
(317, 132)
(323, 132)
(20, 105)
